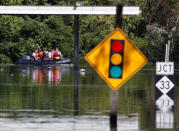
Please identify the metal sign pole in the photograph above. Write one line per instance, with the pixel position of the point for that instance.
(167, 51)
(76, 19)
(114, 94)
(76, 77)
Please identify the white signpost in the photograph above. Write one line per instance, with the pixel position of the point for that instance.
(164, 92)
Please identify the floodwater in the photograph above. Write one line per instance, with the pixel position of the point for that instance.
(47, 98)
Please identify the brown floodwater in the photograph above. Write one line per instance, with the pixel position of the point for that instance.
(44, 98)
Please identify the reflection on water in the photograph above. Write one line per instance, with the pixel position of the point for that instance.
(164, 120)
(29, 101)
(47, 74)
(164, 112)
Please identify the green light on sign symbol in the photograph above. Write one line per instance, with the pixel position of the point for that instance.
(115, 71)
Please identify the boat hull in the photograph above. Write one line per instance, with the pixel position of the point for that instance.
(43, 62)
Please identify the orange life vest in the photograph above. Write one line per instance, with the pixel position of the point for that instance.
(40, 54)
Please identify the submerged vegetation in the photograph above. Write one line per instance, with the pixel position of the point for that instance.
(150, 31)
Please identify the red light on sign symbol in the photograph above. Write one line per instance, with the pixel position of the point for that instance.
(117, 46)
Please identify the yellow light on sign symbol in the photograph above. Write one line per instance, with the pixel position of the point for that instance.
(116, 59)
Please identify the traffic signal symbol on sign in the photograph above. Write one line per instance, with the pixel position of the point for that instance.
(116, 58)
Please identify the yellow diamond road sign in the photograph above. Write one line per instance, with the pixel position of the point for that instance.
(116, 59)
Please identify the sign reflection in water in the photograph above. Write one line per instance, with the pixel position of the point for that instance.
(164, 114)
(51, 74)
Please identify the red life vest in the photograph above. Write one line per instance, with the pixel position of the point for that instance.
(56, 53)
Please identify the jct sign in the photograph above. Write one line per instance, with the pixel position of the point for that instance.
(164, 68)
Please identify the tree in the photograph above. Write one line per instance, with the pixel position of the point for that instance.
(150, 31)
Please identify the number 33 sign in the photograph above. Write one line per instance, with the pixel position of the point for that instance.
(164, 85)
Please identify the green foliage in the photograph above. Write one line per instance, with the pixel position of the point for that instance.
(175, 48)
(159, 11)
(134, 25)
(140, 42)
(9, 28)
(10, 2)
(94, 29)
(150, 31)
(12, 50)
(60, 34)
(4, 59)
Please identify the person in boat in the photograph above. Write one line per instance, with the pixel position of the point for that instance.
(57, 55)
(35, 55)
(50, 54)
(45, 54)
(40, 54)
